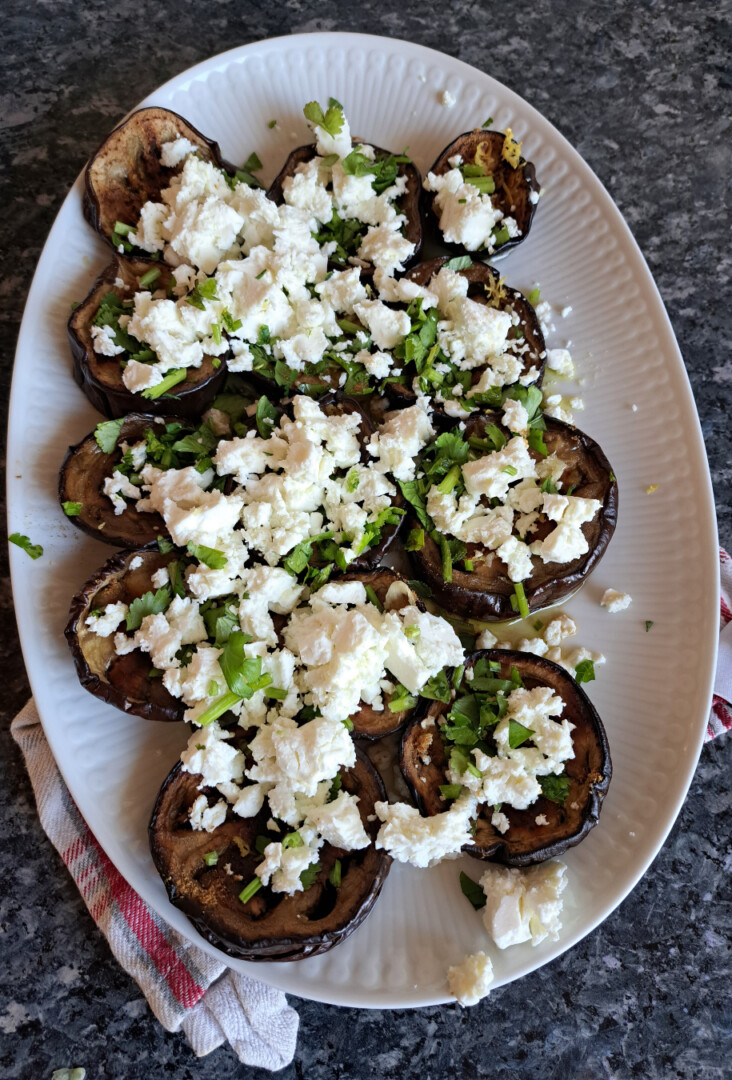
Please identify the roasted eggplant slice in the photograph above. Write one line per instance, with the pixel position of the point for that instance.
(270, 926)
(100, 377)
(486, 592)
(81, 480)
(407, 204)
(126, 171)
(424, 759)
(486, 287)
(123, 681)
(393, 592)
(516, 188)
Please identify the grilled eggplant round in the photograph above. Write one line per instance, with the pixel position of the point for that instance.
(514, 187)
(100, 377)
(486, 592)
(424, 760)
(123, 681)
(393, 592)
(126, 171)
(407, 204)
(126, 681)
(269, 926)
(485, 287)
(81, 480)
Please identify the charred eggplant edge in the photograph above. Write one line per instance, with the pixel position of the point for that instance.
(500, 851)
(441, 165)
(491, 607)
(281, 949)
(90, 680)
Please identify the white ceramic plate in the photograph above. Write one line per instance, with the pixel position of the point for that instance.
(654, 692)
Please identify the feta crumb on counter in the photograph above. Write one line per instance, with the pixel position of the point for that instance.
(614, 601)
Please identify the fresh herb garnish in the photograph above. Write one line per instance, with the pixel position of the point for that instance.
(309, 874)
(215, 560)
(177, 375)
(72, 509)
(555, 788)
(250, 890)
(472, 890)
(211, 858)
(585, 671)
(331, 121)
(34, 550)
(150, 603)
(107, 433)
(266, 417)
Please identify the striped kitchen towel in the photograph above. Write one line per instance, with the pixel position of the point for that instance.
(720, 718)
(185, 987)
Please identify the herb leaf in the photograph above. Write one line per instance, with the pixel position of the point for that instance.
(472, 890)
(554, 788)
(107, 433)
(34, 550)
(150, 603)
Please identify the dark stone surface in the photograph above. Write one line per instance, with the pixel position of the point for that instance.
(642, 89)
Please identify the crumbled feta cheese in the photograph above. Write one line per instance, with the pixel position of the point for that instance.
(447, 99)
(205, 817)
(103, 341)
(424, 841)
(104, 625)
(470, 980)
(614, 601)
(523, 905)
(399, 440)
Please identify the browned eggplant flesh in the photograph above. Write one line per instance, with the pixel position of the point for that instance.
(524, 341)
(570, 803)
(349, 235)
(123, 447)
(127, 171)
(126, 681)
(206, 874)
(469, 579)
(101, 376)
(489, 161)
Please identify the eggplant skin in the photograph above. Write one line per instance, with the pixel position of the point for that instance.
(478, 276)
(485, 594)
(590, 772)
(280, 927)
(408, 203)
(100, 377)
(95, 658)
(81, 479)
(126, 171)
(513, 186)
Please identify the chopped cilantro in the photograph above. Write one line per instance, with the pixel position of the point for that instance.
(534, 297)
(243, 674)
(555, 788)
(373, 598)
(585, 671)
(252, 163)
(309, 874)
(460, 262)
(334, 877)
(415, 540)
(450, 791)
(251, 889)
(107, 433)
(472, 891)
(34, 550)
(204, 290)
(266, 417)
(210, 557)
(401, 699)
(213, 712)
(164, 546)
(72, 509)
(149, 278)
(150, 603)
(649, 624)
(211, 858)
(177, 375)
(517, 734)
(331, 121)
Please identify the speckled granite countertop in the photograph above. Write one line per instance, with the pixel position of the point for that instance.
(642, 90)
